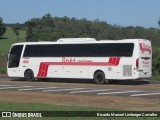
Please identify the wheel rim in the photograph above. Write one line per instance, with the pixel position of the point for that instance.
(29, 76)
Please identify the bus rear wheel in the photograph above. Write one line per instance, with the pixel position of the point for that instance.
(99, 77)
(29, 75)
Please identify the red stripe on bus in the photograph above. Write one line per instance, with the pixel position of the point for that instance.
(117, 61)
(110, 60)
(114, 60)
(43, 69)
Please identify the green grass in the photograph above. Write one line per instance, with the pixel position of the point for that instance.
(3, 70)
(14, 106)
(3, 63)
(8, 39)
(156, 78)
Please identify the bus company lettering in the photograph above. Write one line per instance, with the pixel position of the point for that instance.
(25, 61)
(76, 60)
(144, 47)
(145, 62)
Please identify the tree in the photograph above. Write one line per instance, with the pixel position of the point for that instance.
(2, 27)
(156, 61)
(16, 29)
(159, 22)
(29, 34)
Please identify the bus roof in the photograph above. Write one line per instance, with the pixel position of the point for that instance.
(81, 41)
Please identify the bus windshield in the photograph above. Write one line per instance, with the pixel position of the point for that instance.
(14, 56)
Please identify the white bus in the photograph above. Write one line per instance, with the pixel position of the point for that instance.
(83, 58)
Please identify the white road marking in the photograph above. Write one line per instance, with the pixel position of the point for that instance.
(81, 90)
(14, 87)
(63, 89)
(109, 93)
(5, 85)
(148, 94)
(42, 88)
(91, 91)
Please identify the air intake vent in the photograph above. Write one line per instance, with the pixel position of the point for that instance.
(127, 70)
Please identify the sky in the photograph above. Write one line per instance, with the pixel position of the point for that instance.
(145, 13)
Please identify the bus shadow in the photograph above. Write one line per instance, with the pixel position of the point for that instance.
(63, 80)
(88, 81)
(130, 82)
(3, 38)
(58, 80)
(16, 79)
(91, 81)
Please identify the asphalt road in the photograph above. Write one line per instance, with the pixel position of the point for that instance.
(149, 89)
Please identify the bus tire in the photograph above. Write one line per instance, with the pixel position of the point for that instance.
(99, 77)
(29, 75)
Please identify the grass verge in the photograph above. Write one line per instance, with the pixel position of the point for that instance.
(13, 106)
(9, 39)
(16, 106)
(156, 78)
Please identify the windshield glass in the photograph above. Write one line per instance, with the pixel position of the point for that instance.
(14, 56)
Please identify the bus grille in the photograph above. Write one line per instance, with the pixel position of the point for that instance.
(127, 70)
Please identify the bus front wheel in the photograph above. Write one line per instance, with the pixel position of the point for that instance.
(99, 77)
(29, 75)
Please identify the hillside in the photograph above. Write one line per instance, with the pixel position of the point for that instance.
(8, 39)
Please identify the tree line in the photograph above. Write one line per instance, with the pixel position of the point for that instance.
(52, 28)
